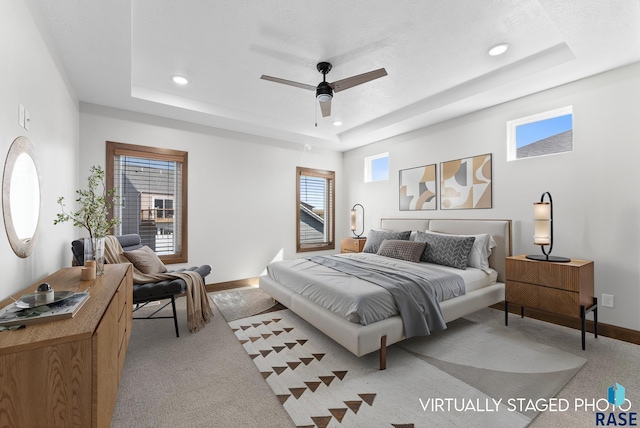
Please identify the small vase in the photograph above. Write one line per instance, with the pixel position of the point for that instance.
(98, 254)
(94, 250)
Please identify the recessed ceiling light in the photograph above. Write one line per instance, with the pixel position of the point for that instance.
(499, 49)
(337, 123)
(180, 80)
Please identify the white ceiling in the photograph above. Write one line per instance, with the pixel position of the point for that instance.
(123, 53)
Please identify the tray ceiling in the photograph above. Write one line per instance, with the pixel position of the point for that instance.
(123, 54)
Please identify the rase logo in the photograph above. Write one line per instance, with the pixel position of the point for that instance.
(616, 397)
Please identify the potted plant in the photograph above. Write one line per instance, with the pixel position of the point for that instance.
(95, 203)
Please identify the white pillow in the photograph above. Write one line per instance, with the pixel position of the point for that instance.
(480, 251)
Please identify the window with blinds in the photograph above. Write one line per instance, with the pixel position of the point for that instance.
(151, 185)
(315, 209)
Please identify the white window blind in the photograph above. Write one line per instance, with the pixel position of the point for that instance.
(315, 212)
(151, 190)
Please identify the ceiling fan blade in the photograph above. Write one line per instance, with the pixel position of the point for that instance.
(325, 107)
(352, 81)
(288, 82)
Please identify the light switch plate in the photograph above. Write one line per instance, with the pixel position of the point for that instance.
(27, 119)
(21, 115)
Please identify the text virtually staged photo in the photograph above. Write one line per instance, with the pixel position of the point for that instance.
(234, 215)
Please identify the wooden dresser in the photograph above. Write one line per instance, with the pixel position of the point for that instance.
(560, 288)
(66, 373)
(352, 245)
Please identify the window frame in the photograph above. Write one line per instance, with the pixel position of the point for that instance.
(512, 125)
(330, 218)
(114, 149)
(368, 167)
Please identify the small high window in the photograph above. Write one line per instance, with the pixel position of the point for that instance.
(376, 167)
(540, 134)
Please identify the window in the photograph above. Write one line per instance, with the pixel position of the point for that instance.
(152, 186)
(315, 194)
(540, 134)
(376, 167)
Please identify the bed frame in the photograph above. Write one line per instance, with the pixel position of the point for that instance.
(361, 339)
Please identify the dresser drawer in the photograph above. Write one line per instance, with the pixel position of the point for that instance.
(563, 276)
(522, 294)
(559, 301)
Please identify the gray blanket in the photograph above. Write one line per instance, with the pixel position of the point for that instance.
(416, 293)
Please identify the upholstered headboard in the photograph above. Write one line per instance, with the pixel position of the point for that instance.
(500, 230)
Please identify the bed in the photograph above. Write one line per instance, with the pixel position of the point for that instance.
(363, 339)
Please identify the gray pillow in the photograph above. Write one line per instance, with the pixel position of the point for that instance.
(446, 250)
(410, 251)
(376, 236)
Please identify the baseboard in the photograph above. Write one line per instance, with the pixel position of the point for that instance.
(608, 330)
(229, 285)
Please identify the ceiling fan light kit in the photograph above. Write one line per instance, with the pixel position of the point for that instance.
(325, 90)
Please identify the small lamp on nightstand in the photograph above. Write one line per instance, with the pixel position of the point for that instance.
(543, 230)
(354, 220)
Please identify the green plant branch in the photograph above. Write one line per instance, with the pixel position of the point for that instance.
(95, 203)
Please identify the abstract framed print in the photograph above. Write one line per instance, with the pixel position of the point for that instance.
(466, 183)
(418, 188)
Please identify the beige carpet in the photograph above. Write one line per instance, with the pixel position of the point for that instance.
(208, 380)
(468, 368)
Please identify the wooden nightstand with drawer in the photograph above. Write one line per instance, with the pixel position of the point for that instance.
(352, 245)
(560, 288)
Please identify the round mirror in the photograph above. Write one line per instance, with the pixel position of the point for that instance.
(21, 197)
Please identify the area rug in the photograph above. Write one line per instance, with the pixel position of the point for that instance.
(242, 302)
(466, 376)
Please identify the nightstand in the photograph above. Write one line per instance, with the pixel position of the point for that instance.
(352, 245)
(560, 288)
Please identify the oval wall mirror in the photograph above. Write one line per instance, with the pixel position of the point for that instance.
(21, 197)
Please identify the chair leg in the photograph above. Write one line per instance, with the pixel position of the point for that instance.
(175, 315)
(153, 317)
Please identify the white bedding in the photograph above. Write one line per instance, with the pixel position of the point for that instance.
(354, 299)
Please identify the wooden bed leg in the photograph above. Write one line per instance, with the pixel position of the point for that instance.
(383, 352)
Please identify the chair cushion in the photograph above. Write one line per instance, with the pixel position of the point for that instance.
(130, 242)
(162, 289)
(146, 260)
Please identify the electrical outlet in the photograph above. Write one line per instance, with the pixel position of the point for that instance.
(607, 300)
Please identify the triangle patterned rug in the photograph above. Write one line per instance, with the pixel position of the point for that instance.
(461, 377)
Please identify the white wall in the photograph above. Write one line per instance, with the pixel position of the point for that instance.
(242, 203)
(594, 188)
(30, 77)
(241, 188)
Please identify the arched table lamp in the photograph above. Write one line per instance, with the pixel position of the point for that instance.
(354, 220)
(543, 230)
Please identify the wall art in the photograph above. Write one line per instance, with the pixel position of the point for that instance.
(418, 188)
(466, 183)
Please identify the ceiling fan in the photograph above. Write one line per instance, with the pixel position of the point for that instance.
(324, 90)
